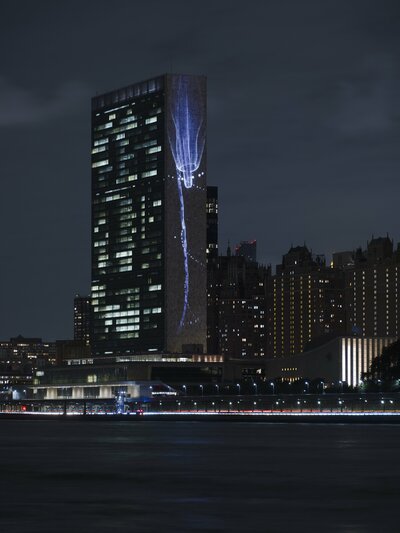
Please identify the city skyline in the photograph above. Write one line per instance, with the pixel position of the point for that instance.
(318, 153)
(200, 265)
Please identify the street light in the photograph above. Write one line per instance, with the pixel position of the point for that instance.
(323, 387)
(273, 387)
(238, 386)
(184, 387)
(201, 387)
(308, 386)
(217, 387)
(255, 388)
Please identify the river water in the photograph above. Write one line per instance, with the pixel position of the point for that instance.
(77, 476)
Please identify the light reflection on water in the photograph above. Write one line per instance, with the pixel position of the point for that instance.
(213, 477)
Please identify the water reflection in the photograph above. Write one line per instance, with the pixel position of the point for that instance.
(181, 477)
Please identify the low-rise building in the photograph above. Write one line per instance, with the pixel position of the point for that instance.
(340, 360)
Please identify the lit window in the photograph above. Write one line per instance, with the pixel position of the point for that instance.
(102, 163)
(149, 173)
(153, 150)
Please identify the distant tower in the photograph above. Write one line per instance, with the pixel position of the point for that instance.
(82, 318)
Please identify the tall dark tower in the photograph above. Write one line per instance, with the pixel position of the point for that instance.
(148, 217)
(212, 269)
(212, 223)
(82, 318)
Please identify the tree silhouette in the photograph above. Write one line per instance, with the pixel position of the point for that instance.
(386, 366)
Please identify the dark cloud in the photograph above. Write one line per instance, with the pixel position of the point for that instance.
(368, 103)
(303, 127)
(19, 106)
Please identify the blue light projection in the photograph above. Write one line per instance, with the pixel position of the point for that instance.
(187, 141)
(185, 253)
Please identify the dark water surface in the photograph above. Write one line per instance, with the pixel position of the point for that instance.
(77, 477)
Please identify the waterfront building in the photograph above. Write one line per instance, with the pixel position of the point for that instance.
(149, 217)
(338, 362)
(104, 377)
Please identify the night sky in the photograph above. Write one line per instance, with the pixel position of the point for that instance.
(303, 128)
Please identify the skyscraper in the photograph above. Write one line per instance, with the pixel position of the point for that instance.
(82, 318)
(212, 270)
(212, 223)
(149, 217)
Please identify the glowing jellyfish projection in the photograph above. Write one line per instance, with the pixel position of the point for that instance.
(187, 140)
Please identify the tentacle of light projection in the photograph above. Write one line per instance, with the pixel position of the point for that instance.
(187, 143)
(185, 253)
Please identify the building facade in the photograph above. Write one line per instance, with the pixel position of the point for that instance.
(82, 318)
(21, 356)
(357, 296)
(305, 303)
(372, 291)
(212, 224)
(342, 360)
(239, 308)
(212, 270)
(148, 217)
